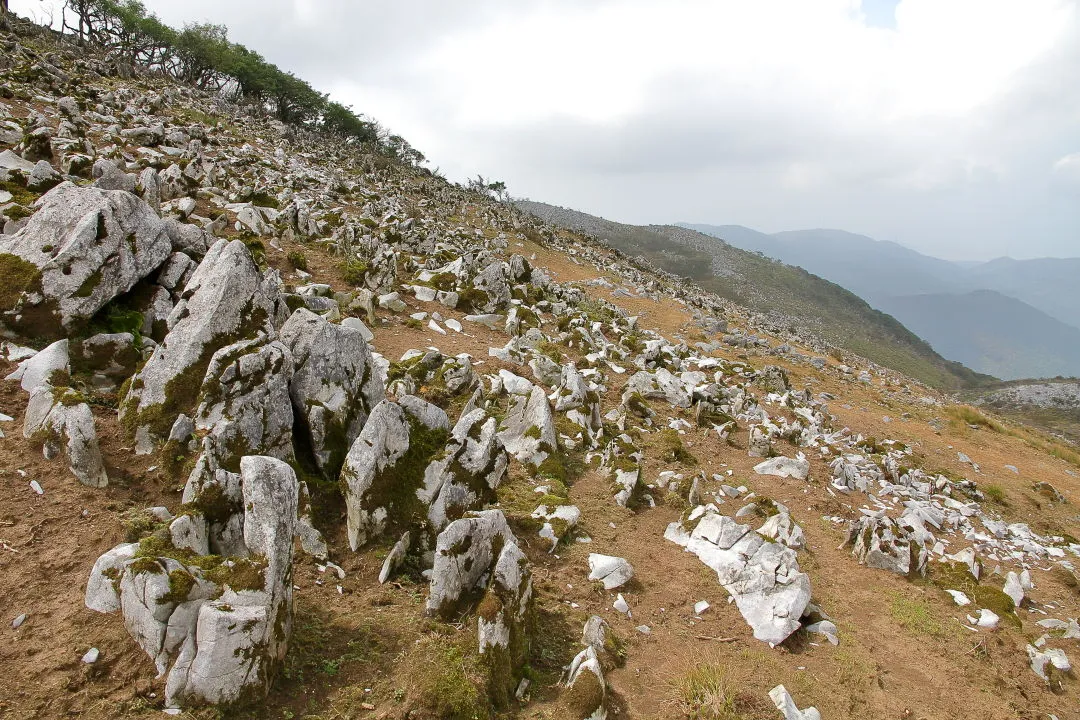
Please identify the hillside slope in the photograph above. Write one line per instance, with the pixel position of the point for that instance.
(1048, 284)
(987, 337)
(785, 295)
(990, 331)
(871, 269)
(539, 484)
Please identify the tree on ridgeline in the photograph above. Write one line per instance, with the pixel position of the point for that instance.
(203, 56)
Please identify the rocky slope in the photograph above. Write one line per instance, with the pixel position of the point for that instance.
(1007, 318)
(783, 298)
(291, 430)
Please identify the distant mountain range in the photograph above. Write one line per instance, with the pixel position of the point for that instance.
(1009, 318)
(787, 295)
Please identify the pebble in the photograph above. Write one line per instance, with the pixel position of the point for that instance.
(19, 621)
(91, 656)
(621, 606)
(701, 606)
(960, 598)
(36, 487)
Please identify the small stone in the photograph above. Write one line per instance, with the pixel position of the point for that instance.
(36, 487)
(621, 605)
(17, 622)
(614, 572)
(91, 656)
(701, 606)
(960, 598)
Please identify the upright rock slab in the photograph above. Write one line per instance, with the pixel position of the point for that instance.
(82, 248)
(480, 550)
(334, 387)
(226, 300)
(385, 467)
(529, 432)
(244, 405)
(63, 422)
(467, 475)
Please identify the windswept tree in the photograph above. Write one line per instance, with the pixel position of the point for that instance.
(202, 55)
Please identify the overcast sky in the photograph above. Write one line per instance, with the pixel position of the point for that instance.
(950, 126)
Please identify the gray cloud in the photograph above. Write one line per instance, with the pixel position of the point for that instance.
(770, 114)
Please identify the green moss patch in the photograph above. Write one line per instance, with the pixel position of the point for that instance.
(17, 276)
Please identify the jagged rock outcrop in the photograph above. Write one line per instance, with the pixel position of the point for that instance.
(468, 473)
(763, 577)
(479, 564)
(881, 542)
(386, 464)
(218, 628)
(82, 248)
(226, 300)
(244, 405)
(334, 387)
(529, 428)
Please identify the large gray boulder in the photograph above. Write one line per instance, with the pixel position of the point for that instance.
(385, 467)
(226, 300)
(763, 577)
(468, 473)
(82, 248)
(61, 420)
(218, 628)
(334, 387)
(244, 405)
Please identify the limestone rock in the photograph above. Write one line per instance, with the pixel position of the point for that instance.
(81, 249)
(386, 464)
(468, 473)
(784, 530)
(464, 555)
(880, 542)
(220, 635)
(585, 696)
(784, 467)
(763, 577)
(244, 405)
(334, 387)
(226, 300)
(786, 705)
(37, 369)
(505, 622)
(614, 572)
(529, 433)
(60, 419)
(773, 379)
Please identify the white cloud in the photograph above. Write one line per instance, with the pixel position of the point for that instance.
(777, 114)
(1069, 166)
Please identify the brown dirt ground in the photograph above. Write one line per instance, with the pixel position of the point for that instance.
(352, 647)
